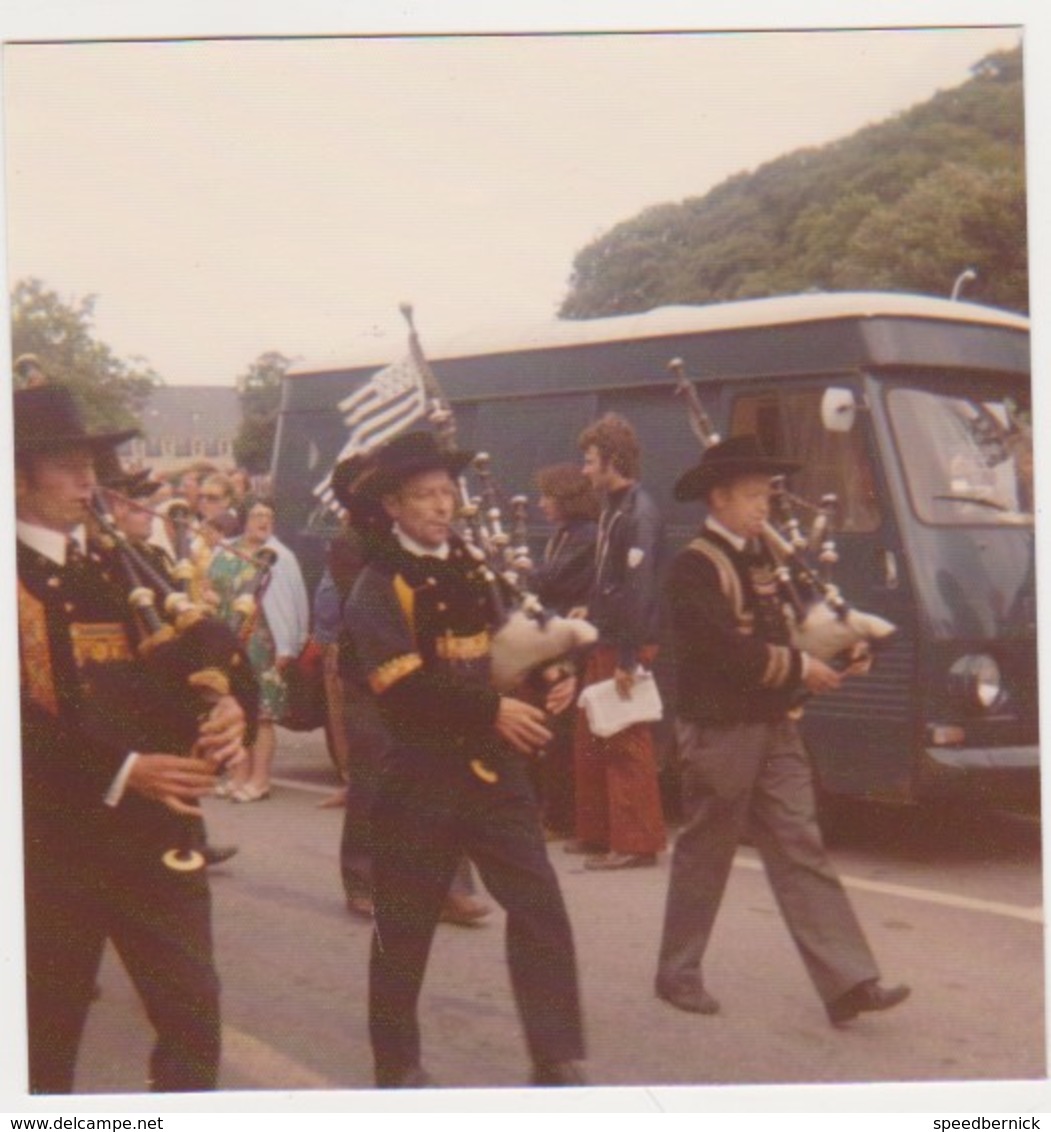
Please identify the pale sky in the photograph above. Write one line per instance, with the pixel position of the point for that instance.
(226, 198)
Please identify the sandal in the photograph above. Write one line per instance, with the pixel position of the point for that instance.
(249, 793)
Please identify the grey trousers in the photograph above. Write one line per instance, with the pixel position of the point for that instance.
(756, 777)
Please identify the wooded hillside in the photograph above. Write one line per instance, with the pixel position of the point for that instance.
(905, 205)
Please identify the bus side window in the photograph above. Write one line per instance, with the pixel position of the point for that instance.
(789, 424)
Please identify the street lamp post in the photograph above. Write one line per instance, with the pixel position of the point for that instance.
(965, 277)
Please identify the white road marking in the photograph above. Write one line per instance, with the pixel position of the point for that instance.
(268, 1067)
(309, 787)
(1034, 915)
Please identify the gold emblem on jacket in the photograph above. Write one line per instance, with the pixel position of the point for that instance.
(103, 642)
(463, 648)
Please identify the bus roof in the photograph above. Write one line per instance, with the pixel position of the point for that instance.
(782, 310)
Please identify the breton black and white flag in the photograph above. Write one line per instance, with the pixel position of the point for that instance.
(384, 406)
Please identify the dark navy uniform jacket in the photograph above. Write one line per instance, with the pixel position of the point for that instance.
(87, 701)
(733, 660)
(422, 630)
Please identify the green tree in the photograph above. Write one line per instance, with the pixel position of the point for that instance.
(260, 392)
(61, 336)
(905, 204)
(956, 217)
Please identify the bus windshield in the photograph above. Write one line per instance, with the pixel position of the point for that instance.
(968, 460)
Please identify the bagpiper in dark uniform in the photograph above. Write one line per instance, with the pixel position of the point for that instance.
(364, 740)
(744, 766)
(421, 615)
(128, 495)
(100, 813)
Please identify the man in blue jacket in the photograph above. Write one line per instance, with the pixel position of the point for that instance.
(619, 820)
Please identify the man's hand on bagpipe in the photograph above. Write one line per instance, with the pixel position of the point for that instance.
(220, 738)
(562, 689)
(820, 677)
(176, 781)
(522, 725)
(857, 660)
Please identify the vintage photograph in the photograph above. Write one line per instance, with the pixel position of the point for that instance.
(524, 566)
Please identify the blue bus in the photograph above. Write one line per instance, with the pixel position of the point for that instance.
(913, 411)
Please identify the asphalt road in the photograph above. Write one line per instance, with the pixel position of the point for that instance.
(954, 908)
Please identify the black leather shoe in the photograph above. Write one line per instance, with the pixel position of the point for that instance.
(866, 996)
(216, 854)
(547, 1073)
(691, 997)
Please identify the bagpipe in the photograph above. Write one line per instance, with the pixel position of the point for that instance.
(185, 571)
(185, 660)
(188, 574)
(820, 620)
(529, 637)
(244, 606)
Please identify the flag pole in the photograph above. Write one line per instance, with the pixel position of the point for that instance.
(441, 414)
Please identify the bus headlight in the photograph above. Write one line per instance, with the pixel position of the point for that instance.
(976, 680)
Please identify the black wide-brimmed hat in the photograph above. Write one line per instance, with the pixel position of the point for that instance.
(110, 473)
(729, 460)
(373, 475)
(132, 485)
(48, 419)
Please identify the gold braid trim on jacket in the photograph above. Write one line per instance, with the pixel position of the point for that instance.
(779, 657)
(389, 673)
(38, 676)
(729, 583)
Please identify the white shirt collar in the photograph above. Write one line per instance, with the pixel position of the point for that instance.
(51, 544)
(413, 547)
(736, 541)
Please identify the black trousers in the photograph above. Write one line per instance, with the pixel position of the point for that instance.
(160, 924)
(367, 745)
(555, 773)
(430, 812)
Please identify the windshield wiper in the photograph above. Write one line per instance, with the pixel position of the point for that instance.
(981, 500)
(1007, 513)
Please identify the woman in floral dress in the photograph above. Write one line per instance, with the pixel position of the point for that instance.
(273, 631)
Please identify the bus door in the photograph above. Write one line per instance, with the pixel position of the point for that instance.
(861, 736)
